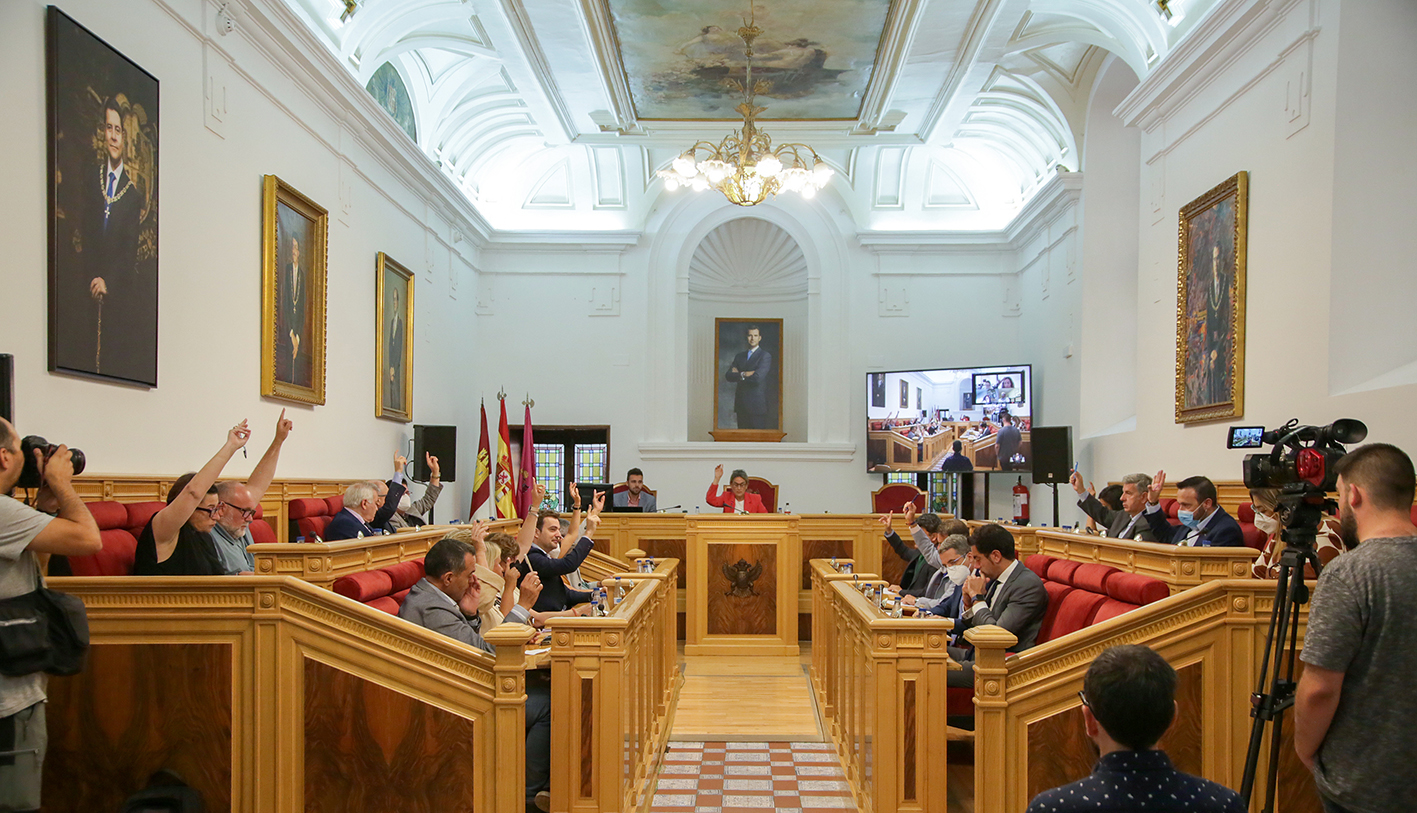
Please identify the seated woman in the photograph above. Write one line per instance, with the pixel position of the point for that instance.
(1328, 542)
(737, 499)
(177, 540)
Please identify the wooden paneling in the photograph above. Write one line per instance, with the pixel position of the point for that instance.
(137, 709)
(371, 748)
(730, 614)
(1184, 740)
(1059, 751)
(822, 549)
(666, 549)
(892, 566)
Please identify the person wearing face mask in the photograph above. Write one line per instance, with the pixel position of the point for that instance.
(411, 513)
(1328, 542)
(1203, 522)
(942, 595)
(177, 540)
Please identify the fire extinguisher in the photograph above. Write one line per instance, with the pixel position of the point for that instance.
(1021, 503)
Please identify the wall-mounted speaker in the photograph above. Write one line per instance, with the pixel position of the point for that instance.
(442, 443)
(1052, 453)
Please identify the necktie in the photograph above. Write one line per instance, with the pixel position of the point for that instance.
(112, 178)
(989, 594)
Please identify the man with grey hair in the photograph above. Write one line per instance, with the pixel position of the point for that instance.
(363, 510)
(1127, 523)
(237, 503)
(942, 594)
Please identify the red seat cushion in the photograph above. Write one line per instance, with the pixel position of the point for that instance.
(1134, 588)
(404, 574)
(366, 586)
(1253, 536)
(1169, 506)
(115, 559)
(262, 533)
(109, 515)
(305, 507)
(139, 513)
(1038, 563)
(959, 701)
(1093, 577)
(1111, 608)
(1246, 513)
(1075, 612)
(1057, 591)
(311, 527)
(334, 505)
(1061, 570)
(400, 596)
(386, 604)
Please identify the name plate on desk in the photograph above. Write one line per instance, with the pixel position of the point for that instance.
(743, 578)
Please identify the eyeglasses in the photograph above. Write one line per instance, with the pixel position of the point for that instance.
(246, 513)
(208, 511)
(1083, 698)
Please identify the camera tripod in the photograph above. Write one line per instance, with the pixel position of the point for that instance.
(1290, 594)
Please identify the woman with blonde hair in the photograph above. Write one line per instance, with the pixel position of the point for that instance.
(1328, 542)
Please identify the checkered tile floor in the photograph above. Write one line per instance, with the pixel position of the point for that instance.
(719, 777)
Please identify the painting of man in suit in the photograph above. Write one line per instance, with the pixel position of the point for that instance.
(294, 356)
(750, 388)
(103, 266)
(393, 350)
(395, 332)
(1211, 291)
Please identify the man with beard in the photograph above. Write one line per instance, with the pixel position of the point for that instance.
(1354, 708)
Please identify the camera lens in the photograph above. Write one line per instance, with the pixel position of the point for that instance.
(77, 456)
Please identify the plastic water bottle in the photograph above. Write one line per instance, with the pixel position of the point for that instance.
(847, 567)
(619, 590)
(597, 608)
(835, 566)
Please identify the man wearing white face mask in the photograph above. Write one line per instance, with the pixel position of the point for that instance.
(1328, 542)
(412, 512)
(1203, 522)
(942, 594)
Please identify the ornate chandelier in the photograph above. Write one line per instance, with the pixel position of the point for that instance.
(745, 166)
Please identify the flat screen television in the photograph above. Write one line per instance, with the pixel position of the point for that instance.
(915, 418)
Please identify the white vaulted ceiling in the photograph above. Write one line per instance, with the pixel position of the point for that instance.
(968, 108)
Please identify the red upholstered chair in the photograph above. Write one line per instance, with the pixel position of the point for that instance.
(1039, 563)
(1254, 537)
(1169, 506)
(1074, 612)
(308, 518)
(892, 497)
(766, 491)
(119, 543)
(383, 589)
(1062, 571)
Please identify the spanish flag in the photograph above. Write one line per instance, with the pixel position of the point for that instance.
(505, 507)
(482, 481)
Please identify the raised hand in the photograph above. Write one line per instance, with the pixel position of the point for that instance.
(910, 513)
(479, 531)
(1091, 489)
(575, 495)
(717, 473)
(538, 495)
(1153, 494)
(885, 520)
(399, 462)
(432, 462)
(283, 427)
(238, 435)
(530, 590)
(597, 502)
(1075, 480)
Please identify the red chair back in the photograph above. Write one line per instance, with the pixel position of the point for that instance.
(893, 497)
(766, 491)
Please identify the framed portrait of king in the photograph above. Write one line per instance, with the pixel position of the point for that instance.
(747, 394)
(293, 276)
(103, 208)
(393, 346)
(1210, 304)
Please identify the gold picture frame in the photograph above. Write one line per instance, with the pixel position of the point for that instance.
(1210, 304)
(747, 402)
(393, 343)
(294, 271)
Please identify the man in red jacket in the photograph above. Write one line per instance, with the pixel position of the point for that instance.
(736, 499)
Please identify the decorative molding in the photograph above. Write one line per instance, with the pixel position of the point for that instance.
(819, 452)
(520, 22)
(748, 259)
(896, 40)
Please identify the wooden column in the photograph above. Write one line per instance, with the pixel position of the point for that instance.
(993, 747)
(509, 714)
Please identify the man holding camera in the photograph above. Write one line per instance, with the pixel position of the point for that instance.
(23, 533)
(1354, 707)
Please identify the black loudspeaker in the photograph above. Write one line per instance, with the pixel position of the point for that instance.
(7, 387)
(1052, 453)
(442, 443)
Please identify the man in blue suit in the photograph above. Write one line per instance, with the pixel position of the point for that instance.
(555, 596)
(1204, 523)
(363, 512)
(752, 372)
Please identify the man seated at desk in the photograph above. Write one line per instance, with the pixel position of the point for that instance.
(1127, 523)
(737, 499)
(956, 460)
(1203, 522)
(634, 494)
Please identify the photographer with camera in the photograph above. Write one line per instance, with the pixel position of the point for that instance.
(1354, 707)
(177, 541)
(25, 532)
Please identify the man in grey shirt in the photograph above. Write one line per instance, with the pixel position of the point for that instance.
(1355, 706)
(25, 532)
(237, 503)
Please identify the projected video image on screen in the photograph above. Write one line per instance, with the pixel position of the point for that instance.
(962, 419)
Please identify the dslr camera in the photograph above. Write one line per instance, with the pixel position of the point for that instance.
(33, 474)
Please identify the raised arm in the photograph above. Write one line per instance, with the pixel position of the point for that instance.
(424, 504)
(168, 521)
(528, 532)
(261, 476)
(573, 558)
(575, 532)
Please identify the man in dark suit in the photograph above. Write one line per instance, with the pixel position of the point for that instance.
(1204, 523)
(363, 511)
(752, 371)
(292, 323)
(555, 596)
(393, 387)
(1127, 523)
(956, 459)
(1010, 438)
(926, 530)
(1005, 594)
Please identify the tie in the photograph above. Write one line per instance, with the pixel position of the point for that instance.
(109, 202)
(932, 586)
(989, 594)
(111, 180)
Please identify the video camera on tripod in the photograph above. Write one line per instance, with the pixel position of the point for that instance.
(1303, 466)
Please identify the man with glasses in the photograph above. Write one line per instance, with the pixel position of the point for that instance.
(237, 503)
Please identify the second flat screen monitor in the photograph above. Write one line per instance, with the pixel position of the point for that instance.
(954, 419)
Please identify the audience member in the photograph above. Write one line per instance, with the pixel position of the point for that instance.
(634, 495)
(1123, 523)
(1328, 542)
(1006, 594)
(1010, 438)
(445, 601)
(942, 595)
(737, 499)
(917, 574)
(570, 534)
(25, 532)
(956, 460)
(410, 513)
(1354, 709)
(555, 596)
(177, 541)
(502, 599)
(1128, 702)
(364, 511)
(1203, 522)
(237, 503)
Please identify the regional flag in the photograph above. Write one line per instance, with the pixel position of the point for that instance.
(482, 481)
(526, 480)
(505, 507)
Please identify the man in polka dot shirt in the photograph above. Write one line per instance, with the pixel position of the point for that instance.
(1128, 702)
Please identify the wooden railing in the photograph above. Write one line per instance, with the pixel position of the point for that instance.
(881, 684)
(1180, 567)
(270, 694)
(1025, 536)
(615, 682)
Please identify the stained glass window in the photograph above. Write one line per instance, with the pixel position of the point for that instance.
(550, 470)
(591, 460)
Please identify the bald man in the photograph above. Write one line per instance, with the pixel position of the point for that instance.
(237, 503)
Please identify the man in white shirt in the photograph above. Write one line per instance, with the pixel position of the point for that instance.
(1005, 594)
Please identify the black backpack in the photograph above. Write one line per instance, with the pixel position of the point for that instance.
(43, 631)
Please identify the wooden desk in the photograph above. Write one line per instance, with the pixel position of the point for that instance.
(744, 576)
(1180, 567)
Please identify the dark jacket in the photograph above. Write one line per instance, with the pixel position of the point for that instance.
(1116, 521)
(917, 572)
(555, 595)
(346, 525)
(1221, 532)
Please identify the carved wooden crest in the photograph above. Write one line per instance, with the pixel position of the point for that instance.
(741, 576)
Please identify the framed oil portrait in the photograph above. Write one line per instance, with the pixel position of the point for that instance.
(878, 389)
(393, 345)
(1210, 304)
(293, 275)
(904, 394)
(747, 396)
(103, 208)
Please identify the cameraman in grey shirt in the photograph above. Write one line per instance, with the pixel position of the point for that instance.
(25, 532)
(1354, 709)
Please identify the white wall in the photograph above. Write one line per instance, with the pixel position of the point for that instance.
(210, 274)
